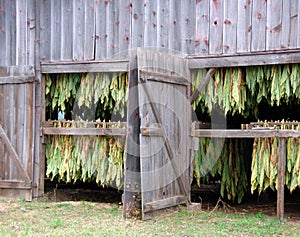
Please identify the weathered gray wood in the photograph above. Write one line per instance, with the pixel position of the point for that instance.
(187, 26)
(132, 176)
(281, 178)
(21, 33)
(56, 30)
(16, 80)
(202, 27)
(157, 76)
(162, 107)
(66, 25)
(254, 59)
(78, 29)
(164, 203)
(251, 133)
(124, 28)
(230, 26)
(3, 32)
(274, 24)
(137, 24)
(84, 131)
(93, 66)
(152, 131)
(101, 38)
(89, 29)
(45, 30)
(163, 19)
(294, 5)
(15, 185)
(109, 33)
(244, 25)
(259, 19)
(216, 27)
(14, 155)
(174, 26)
(32, 27)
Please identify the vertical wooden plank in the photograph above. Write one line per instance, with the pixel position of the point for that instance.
(78, 29)
(259, 19)
(116, 28)
(124, 28)
(230, 27)
(11, 44)
(202, 27)
(274, 24)
(150, 24)
(216, 27)
(294, 5)
(163, 16)
(109, 34)
(2, 155)
(298, 26)
(137, 24)
(3, 32)
(281, 177)
(45, 29)
(89, 41)
(244, 25)
(31, 28)
(132, 179)
(21, 32)
(101, 37)
(66, 26)
(174, 28)
(55, 30)
(188, 26)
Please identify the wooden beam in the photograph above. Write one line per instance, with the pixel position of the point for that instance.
(164, 203)
(253, 59)
(16, 80)
(247, 133)
(160, 77)
(203, 83)
(86, 66)
(85, 131)
(8, 184)
(152, 132)
(281, 177)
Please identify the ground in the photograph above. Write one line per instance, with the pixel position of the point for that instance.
(98, 212)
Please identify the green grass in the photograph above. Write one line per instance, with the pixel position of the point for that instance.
(19, 218)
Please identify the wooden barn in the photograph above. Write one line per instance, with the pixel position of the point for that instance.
(108, 91)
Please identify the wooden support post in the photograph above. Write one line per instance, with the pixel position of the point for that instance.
(132, 182)
(281, 177)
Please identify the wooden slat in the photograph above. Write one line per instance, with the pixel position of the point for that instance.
(174, 25)
(150, 23)
(244, 25)
(10, 184)
(202, 27)
(163, 21)
(14, 155)
(188, 26)
(274, 24)
(85, 131)
(31, 31)
(152, 131)
(100, 66)
(254, 59)
(56, 30)
(251, 133)
(156, 76)
(289, 24)
(259, 19)
(281, 178)
(23, 70)
(16, 80)
(216, 27)
(21, 33)
(3, 32)
(101, 40)
(124, 28)
(45, 30)
(164, 203)
(109, 24)
(78, 29)
(66, 23)
(89, 29)
(230, 27)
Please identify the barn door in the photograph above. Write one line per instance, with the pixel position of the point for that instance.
(16, 131)
(164, 137)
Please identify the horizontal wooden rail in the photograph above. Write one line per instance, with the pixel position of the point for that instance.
(92, 66)
(249, 133)
(8, 184)
(85, 131)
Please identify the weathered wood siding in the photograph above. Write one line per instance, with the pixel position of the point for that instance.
(232, 27)
(17, 32)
